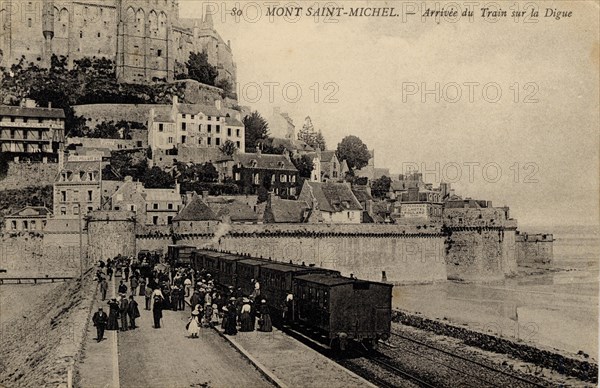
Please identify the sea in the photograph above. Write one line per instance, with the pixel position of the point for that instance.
(557, 309)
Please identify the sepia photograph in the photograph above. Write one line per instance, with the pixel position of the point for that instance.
(327, 194)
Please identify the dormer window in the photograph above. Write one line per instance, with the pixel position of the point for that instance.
(90, 176)
(280, 164)
(81, 175)
(253, 163)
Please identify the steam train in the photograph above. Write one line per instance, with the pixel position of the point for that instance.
(335, 308)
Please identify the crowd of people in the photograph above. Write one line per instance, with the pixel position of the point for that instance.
(169, 288)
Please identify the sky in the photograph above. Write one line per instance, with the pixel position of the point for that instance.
(506, 111)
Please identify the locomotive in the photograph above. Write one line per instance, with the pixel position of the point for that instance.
(335, 308)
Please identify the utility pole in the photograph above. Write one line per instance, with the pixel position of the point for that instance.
(80, 244)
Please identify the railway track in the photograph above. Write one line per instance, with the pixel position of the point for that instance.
(448, 368)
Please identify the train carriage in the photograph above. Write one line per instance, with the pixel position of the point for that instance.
(178, 255)
(247, 270)
(343, 308)
(207, 260)
(227, 273)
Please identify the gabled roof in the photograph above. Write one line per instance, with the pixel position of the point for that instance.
(236, 210)
(196, 210)
(162, 195)
(362, 193)
(327, 156)
(265, 161)
(292, 145)
(332, 197)
(17, 111)
(230, 120)
(288, 211)
(31, 211)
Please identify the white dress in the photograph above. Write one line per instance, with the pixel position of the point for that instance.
(194, 327)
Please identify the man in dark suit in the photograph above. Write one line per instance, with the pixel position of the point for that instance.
(122, 288)
(123, 309)
(100, 320)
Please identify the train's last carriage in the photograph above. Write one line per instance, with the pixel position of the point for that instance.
(343, 309)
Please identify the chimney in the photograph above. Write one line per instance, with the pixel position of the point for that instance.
(258, 151)
(369, 207)
(205, 194)
(177, 186)
(218, 104)
(49, 104)
(175, 100)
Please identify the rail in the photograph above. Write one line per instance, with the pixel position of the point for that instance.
(34, 280)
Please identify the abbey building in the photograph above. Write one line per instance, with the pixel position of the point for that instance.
(146, 38)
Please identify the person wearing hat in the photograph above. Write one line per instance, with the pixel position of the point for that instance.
(123, 310)
(230, 327)
(113, 314)
(193, 326)
(133, 311)
(100, 320)
(264, 322)
(245, 316)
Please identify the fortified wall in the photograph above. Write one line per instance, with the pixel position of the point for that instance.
(480, 244)
(393, 253)
(534, 249)
(111, 233)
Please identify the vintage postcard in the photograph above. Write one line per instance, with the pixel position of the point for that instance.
(299, 193)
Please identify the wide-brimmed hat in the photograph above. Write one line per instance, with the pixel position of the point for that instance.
(225, 308)
(195, 312)
(246, 300)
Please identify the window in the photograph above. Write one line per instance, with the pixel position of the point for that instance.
(90, 195)
(90, 176)
(200, 141)
(209, 118)
(256, 179)
(98, 35)
(76, 209)
(160, 127)
(155, 206)
(283, 178)
(80, 34)
(237, 132)
(63, 196)
(199, 127)
(25, 225)
(63, 211)
(183, 126)
(29, 22)
(209, 128)
(218, 141)
(159, 53)
(238, 145)
(155, 220)
(170, 206)
(192, 117)
(208, 141)
(183, 115)
(90, 209)
(218, 129)
(170, 140)
(228, 131)
(13, 225)
(237, 176)
(183, 139)
(169, 220)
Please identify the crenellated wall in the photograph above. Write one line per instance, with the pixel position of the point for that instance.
(405, 254)
(534, 249)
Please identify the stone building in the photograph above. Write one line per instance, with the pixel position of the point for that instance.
(145, 38)
(31, 133)
(28, 219)
(335, 201)
(253, 171)
(78, 187)
(197, 126)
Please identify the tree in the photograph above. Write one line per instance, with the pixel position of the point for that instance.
(199, 69)
(320, 142)
(228, 148)
(304, 165)
(354, 152)
(256, 130)
(156, 178)
(380, 187)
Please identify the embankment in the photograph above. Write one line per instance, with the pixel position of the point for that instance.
(40, 346)
(580, 368)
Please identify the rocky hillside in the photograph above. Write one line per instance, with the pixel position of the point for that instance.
(40, 346)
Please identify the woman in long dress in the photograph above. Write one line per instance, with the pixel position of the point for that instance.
(264, 321)
(230, 327)
(194, 326)
(246, 317)
(113, 315)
